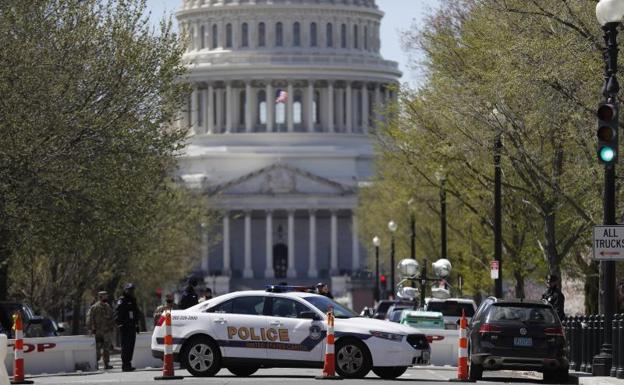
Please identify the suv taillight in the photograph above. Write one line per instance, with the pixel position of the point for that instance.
(161, 321)
(553, 332)
(489, 328)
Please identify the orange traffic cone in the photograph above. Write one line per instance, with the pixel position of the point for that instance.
(168, 371)
(462, 356)
(18, 364)
(329, 367)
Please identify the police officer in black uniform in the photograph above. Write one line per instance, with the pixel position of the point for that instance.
(554, 296)
(127, 317)
(189, 296)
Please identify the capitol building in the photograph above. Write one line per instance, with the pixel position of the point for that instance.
(285, 96)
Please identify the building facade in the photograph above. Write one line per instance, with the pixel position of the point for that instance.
(285, 96)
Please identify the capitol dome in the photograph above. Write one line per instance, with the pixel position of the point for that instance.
(285, 95)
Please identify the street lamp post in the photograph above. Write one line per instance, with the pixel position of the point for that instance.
(392, 226)
(410, 203)
(441, 177)
(376, 242)
(498, 227)
(610, 14)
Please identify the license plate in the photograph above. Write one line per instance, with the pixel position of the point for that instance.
(523, 341)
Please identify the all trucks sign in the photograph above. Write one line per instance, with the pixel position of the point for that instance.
(608, 243)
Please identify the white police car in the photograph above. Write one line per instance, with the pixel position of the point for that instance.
(247, 330)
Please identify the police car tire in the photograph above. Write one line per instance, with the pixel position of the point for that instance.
(367, 361)
(389, 372)
(243, 371)
(200, 343)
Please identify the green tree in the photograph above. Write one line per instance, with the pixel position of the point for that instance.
(89, 92)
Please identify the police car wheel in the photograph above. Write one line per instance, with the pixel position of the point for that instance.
(389, 372)
(352, 359)
(243, 371)
(201, 357)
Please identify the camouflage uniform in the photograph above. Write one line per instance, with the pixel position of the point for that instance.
(100, 322)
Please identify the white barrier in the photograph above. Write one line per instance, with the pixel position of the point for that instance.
(4, 376)
(142, 357)
(54, 354)
(443, 346)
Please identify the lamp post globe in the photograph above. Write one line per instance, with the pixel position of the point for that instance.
(392, 226)
(610, 11)
(376, 241)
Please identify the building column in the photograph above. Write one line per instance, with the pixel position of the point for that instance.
(226, 244)
(386, 95)
(219, 112)
(205, 263)
(196, 36)
(228, 108)
(248, 104)
(290, 115)
(333, 266)
(292, 271)
(270, 106)
(349, 108)
(339, 95)
(269, 271)
(330, 107)
(355, 262)
(310, 107)
(194, 109)
(364, 109)
(247, 271)
(312, 270)
(377, 104)
(210, 110)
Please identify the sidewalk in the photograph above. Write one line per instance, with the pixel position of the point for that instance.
(588, 379)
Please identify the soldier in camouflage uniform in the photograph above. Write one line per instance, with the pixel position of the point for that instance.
(101, 324)
(168, 305)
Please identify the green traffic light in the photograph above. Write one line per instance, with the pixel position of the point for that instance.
(607, 154)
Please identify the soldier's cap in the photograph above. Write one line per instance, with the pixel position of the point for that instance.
(101, 293)
(129, 286)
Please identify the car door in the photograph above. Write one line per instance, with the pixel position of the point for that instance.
(298, 339)
(240, 325)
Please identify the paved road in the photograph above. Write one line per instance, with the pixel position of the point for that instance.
(423, 376)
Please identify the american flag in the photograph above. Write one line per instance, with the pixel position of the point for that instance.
(282, 96)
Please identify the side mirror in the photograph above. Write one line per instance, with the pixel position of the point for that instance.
(310, 315)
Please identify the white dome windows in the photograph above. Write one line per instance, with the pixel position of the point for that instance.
(313, 35)
(279, 34)
(297, 34)
(329, 35)
(261, 34)
(229, 38)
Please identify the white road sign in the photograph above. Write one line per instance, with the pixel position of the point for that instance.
(608, 243)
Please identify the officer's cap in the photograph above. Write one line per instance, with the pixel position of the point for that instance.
(102, 293)
(129, 286)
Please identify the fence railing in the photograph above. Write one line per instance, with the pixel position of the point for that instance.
(585, 336)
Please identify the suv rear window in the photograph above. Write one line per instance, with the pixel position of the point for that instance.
(538, 314)
(451, 308)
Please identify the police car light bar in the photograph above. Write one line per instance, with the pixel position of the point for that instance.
(287, 288)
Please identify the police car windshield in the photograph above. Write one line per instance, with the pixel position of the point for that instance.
(323, 304)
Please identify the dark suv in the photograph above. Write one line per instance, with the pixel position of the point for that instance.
(517, 335)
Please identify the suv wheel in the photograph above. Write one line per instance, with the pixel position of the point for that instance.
(243, 371)
(476, 372)
(352, 359)
(201, 357)
(389, 373)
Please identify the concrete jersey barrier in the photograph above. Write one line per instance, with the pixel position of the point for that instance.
(54, 355)
(4, 376)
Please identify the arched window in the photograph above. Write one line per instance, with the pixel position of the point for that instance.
(192, 38)
(356, 37)
(261, 35)
(245, 35)
(279, 34)
(203, 37)
(329, 35)
(297, 34)
(215, 36)
(228, 35)
(366, 37)
(312, 34)
(242, 104)
(343, 36)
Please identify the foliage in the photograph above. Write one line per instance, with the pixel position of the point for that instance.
(529, 71)
(85, 194)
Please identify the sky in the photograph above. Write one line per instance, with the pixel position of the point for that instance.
(400, 16)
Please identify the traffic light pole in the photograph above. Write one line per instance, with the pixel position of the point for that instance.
(603, 361)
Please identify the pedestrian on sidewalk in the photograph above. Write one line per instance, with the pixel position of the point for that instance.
(189, 296)
(101, 324)
(554, 296)
(126, 317)
(168, 305)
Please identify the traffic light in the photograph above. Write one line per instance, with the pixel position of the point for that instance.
(383, 286)
(607, 133)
